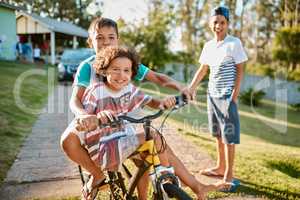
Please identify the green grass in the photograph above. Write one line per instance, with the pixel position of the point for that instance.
(15, 123)
(268, 158)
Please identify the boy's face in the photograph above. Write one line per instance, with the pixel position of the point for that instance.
(119, 73)
(219, 26)
(103, 37)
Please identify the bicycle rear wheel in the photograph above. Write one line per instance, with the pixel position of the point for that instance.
(176, 192)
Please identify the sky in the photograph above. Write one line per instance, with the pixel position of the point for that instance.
(129, 10)
(133, 11)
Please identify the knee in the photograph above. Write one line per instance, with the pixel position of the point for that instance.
(68, 142)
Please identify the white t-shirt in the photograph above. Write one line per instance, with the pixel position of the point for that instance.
(36, 53)
(222, 57)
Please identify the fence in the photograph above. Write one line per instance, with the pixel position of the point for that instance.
(275, 89)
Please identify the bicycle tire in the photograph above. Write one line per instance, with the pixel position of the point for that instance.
(176, 192)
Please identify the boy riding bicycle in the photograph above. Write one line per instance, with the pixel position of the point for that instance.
(110, 96)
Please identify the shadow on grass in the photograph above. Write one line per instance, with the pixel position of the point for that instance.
(249, 188)
(290, 167)
(199, 137)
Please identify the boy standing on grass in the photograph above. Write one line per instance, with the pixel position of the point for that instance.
(224, 56)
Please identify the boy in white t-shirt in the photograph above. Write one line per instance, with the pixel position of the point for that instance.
(36, 53)
(224, 56)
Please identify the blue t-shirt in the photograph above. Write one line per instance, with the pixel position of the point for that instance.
(85, 72)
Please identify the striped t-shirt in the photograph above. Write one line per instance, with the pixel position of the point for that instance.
(98, 97)
(222, 58)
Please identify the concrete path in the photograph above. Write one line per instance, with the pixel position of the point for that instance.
(42, 171)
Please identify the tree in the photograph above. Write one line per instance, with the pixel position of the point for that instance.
(287, 46)
(189, 17)
(66, 10)
(150, 37)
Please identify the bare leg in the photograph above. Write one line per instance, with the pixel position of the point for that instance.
(143, 183)
(73, 149)
(221, 156)
(219, 169)
(229, 157)
(142, 186)
(163, 156)
(187, 178)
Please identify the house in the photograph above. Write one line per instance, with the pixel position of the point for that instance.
(32, 29)
(8, 32)
(47, 32)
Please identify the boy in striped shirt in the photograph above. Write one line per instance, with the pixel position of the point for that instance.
(224, 57)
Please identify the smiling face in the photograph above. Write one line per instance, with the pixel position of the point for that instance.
(219, 26)
(103, 37)
(119, 73)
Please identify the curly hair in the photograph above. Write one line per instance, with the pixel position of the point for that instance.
(108, 54)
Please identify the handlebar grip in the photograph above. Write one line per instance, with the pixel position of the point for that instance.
(181, 100)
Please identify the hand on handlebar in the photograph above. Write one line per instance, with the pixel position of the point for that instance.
(91, 122)
(189, 93)
(168, 102)
(106, 116)
(86, 122)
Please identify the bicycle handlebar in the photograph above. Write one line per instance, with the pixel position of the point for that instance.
(181, 101)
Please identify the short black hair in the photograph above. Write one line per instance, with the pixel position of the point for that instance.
(98, 23)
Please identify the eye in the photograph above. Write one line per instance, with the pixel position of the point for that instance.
(112, 38)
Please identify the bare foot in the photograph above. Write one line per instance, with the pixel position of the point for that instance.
(90, 189)
(203, 189)
(215, 171)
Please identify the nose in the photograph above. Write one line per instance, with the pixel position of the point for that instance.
(106, 42)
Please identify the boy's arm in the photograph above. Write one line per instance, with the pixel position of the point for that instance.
(166, 81)
(237, 85)
(166, 103)
(201, 72)
(75, 101)
(154, 103)
(163, 80)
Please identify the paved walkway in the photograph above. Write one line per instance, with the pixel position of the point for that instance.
(42, 171)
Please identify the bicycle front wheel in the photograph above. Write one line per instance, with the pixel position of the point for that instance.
(176, 192)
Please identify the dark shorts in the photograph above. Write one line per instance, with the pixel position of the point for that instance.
(223, 119)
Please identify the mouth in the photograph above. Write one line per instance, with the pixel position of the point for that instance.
(218, 30)
(120, 82)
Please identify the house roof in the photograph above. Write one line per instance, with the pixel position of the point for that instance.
(9, 6)
(57, 26)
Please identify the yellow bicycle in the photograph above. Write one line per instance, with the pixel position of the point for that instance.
(165, 184)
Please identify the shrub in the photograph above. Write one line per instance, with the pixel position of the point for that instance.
(260, 69)
(252, 97)
(296, 107)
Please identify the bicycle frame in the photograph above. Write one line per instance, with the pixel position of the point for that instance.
(150, 162)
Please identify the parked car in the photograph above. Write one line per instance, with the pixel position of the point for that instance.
(70, 60)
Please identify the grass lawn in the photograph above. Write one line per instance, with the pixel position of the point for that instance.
(268, 158)
(15, 123)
